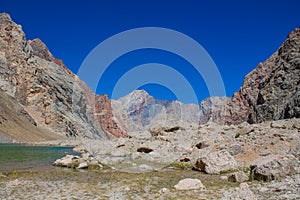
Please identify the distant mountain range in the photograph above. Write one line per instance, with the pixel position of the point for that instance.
(41, 99)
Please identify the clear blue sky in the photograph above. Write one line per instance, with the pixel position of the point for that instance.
(237, 34)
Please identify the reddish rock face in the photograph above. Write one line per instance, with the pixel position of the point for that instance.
(104, 114)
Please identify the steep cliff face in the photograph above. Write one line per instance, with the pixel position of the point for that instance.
(50, 93)
(213, 109)
(107, 119)
(272, 90)
(17, 125)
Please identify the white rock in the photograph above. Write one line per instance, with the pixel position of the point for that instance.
(263, 189)
(189, 184)
(83, 165)
(164, 190)
(144, 167)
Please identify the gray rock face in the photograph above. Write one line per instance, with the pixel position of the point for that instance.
(51, 95)
(17, 125)
(213, 109)
(270, 92)
(139, 111)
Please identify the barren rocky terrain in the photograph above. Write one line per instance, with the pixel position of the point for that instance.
(137, 147)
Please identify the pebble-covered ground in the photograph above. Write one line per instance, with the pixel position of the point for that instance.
(109, 184)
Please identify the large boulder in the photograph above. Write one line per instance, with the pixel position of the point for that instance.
(70, 161)
(217, 162)
(272, 167)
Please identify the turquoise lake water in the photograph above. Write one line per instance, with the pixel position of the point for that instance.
(14, 157)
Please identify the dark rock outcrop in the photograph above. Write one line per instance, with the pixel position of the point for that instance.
(272, 90)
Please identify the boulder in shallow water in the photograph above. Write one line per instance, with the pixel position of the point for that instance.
(67, 161)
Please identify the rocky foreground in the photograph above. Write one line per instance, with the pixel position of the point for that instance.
(258, 161)
(166, 184)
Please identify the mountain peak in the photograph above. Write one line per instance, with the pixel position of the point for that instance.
(4, 17)
(139, 92)
(40, 49)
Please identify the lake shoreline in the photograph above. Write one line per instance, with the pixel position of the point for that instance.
(28, 157)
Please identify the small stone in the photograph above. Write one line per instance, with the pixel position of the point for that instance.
(144, 167)
(264, 152)
(86, 156)
(144, 150)
(172, 129)
(189, 184)
(201, 145)
(278, 124)
(155, 131)
(227, 127)
(296, 125)
(185, 160)
(79, 149)
(263, 189)
(83, 165)
(136, 155)
(154, 155)
(239, 176)
(234, 149)
(16, 182)
(2, 175)
(164, 190)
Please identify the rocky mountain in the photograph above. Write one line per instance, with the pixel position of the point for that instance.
(139, 111)
(272, 90)
(53, 97)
